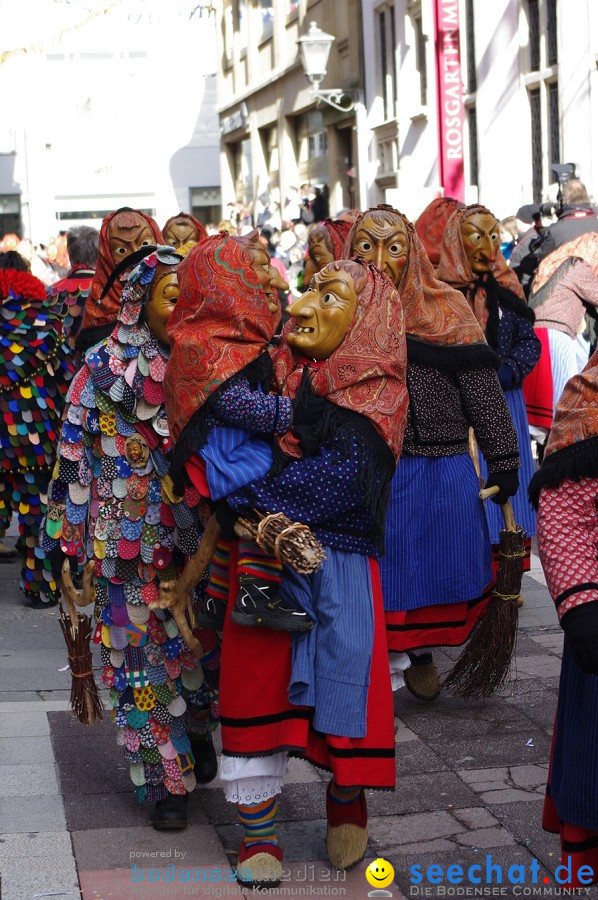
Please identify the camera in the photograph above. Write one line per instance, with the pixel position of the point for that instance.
(564, 172)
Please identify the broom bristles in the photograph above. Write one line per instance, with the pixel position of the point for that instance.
(484, 665)
(85, 700)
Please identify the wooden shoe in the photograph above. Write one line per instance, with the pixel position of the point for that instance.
(422, 678)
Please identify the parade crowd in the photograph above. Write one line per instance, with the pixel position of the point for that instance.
(271, 493)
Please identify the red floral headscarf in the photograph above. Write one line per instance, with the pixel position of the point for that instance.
(454, 267)
(434, 312)
(432, 222)
(104, 310)
(221, 322)
(366, 374)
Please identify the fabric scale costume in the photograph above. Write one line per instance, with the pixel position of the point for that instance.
(436, 571)
(496, 298)
(565, 491)
(36, 369)
(112, 501)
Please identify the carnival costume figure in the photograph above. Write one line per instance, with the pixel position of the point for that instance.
(325, 244)
(431, 223)
(471, 260)
(183, 229)
(122, 233)
(326, 695)
(436, 571)
(112, 501)
(565, 490)
(70, 294)
(221, 410)
(560, 306)
(35, 373)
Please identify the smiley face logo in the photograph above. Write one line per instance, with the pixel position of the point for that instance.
(379, 873)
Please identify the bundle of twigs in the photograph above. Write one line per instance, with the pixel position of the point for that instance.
(290, 542)
(484, 664)
(77, 629)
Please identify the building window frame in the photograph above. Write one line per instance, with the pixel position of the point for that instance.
(386, 46)
(542, 83)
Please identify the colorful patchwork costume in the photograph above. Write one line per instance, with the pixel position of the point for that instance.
(36, 369)
(112, 501)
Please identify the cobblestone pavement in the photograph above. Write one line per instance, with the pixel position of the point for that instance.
(470, 783)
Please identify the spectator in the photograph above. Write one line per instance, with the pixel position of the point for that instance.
(68, 296)
(577, 216)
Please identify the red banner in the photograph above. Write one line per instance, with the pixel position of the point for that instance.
(449, 90)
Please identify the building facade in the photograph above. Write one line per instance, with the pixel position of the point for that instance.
(118, 110)
(274, 134)
(499, 90)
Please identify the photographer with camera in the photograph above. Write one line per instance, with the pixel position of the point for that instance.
(575, 214)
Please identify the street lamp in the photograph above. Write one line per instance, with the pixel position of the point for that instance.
(314, 50)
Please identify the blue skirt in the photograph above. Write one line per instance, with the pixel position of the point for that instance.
(574, 764)
(437, 543)
(524, 514)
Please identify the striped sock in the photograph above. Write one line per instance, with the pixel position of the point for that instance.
(343, 795)
(256, 563)
(259, 823)
(219, 571)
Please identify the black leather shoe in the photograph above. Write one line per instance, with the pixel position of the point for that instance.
(170, 814)
(206, 762)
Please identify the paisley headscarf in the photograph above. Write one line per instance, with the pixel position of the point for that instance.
(585, 246)
(431, 224)
(221, 323)
(454, 267)
(102, 311)
(572, 447)
(434, 312)
(366, 374)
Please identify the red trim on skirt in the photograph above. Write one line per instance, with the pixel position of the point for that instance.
(441, 625)
(581, 844)
(258, 720)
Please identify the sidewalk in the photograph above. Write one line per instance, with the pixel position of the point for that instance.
(470, 783)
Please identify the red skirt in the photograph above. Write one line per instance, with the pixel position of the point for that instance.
(538, 386)
(258, 720)
(441, 625)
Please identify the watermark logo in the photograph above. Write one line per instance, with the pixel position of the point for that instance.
(379, 874)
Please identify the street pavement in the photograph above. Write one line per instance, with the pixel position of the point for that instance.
(470, 783)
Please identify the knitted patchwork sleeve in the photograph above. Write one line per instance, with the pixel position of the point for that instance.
(69, 492)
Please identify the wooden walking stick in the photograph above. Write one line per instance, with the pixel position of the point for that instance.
(484, 664)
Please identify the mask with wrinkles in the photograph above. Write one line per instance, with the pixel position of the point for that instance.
(383, 243)
(323, 315)
(481, 239)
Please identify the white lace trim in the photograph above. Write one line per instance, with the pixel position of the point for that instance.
(252, 779)
(398, 663)
(252, 790)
